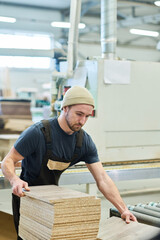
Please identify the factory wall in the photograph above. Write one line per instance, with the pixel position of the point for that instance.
(21, 78)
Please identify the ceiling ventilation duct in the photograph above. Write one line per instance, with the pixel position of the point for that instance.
(108, 28)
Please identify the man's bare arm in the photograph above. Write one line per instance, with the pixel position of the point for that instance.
(109, 190)
(8, 169)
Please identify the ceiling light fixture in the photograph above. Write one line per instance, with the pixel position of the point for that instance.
(7, 19)
(144, 32)
(66, 25)
(157, 3)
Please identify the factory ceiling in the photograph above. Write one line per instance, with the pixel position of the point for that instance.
(36, 15)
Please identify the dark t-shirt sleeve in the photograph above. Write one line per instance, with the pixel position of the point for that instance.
(28, 141)
(91, 155)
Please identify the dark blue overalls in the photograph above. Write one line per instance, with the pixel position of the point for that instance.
(51, 168)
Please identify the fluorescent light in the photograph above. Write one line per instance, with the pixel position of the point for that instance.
(25, 41)
(60, 24)
(66, 25)
(144, 32)
(157, 3)
(7, 19)
(25, 62)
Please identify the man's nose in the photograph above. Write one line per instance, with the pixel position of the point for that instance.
(83, 120)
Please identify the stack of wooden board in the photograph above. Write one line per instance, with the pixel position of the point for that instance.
(15, 109)
(15, 126)
(52, 212)
(15, 115)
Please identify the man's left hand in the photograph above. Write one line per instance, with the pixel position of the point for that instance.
(128, 216)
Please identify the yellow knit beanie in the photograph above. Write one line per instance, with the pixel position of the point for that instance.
(77, 95)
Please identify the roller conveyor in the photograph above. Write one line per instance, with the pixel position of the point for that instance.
(144, 213)
(142, 218)
(143, 210)
(156, 209)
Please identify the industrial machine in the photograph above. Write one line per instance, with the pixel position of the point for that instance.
(126, 123)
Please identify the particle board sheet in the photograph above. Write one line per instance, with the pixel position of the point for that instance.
(115, 228)
(53, 212)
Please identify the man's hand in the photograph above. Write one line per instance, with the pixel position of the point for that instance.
(18, 185)
(8, 169)
(128, 216)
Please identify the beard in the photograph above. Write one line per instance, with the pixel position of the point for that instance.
(75, 127)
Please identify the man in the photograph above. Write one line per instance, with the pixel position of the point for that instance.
(49, 147)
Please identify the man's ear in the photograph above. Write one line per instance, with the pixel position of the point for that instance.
(65, 109)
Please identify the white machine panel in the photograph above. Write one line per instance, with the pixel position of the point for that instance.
(127, 122)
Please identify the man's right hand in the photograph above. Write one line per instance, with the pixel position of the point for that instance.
(18, 185)
(8, 169)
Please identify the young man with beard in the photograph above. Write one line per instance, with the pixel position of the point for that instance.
(49, 147)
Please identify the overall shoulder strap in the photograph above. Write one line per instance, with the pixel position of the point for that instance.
(46, 129)
(79, 139)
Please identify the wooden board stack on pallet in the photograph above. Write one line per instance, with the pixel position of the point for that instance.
(15, 108)
(52, 212)
(15, 115)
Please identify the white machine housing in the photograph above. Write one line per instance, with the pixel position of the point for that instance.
(127, 121)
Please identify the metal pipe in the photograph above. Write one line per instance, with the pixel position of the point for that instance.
(108, 28)
(145, 211)
(75, 10)
(149, 206)
(143, 218)
(152, 208)
(150, 220)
